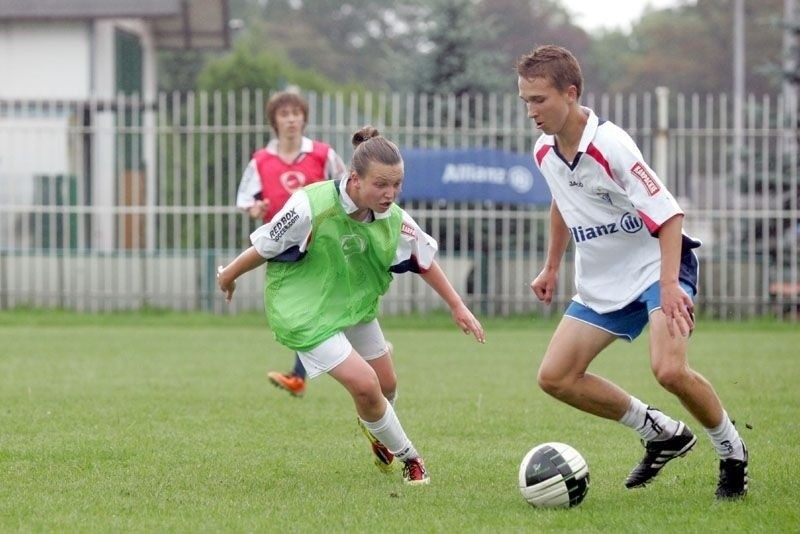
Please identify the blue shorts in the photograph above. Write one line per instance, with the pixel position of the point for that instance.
(628, 322)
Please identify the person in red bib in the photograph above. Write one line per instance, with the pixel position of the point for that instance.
(289, 162)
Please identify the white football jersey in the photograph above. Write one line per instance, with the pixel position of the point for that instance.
(613, 204)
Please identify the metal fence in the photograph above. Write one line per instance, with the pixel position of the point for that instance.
(124, 204)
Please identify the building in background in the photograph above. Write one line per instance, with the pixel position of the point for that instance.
(65, 65)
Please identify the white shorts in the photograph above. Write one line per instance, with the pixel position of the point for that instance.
(366, 338)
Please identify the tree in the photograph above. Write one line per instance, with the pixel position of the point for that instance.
(178, 70)
(449, 57)
(464, 46)
(344, 41)
(689, 49)
(521, 25)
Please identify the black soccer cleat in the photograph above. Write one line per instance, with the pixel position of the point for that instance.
(658, 453)
(732, 478)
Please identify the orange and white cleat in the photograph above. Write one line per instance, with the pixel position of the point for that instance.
(295, 385)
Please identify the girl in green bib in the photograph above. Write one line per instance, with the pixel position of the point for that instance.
(332, 252)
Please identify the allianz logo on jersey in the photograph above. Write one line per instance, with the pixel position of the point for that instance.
(628, 223)
(519, 178)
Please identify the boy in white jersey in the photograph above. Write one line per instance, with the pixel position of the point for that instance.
(633, 266)
(333, 249)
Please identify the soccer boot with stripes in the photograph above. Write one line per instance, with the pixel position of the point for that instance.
(658, 453)
(733, 478)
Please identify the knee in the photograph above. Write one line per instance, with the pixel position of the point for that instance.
(551, 383)
(672, 377)
(367, 395)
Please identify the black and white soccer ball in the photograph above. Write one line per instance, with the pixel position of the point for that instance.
(553, 475)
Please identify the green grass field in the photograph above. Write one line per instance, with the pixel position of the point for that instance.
(163, 422)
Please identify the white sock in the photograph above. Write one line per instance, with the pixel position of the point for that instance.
(726, 439)
(651, 424)
(389, 431)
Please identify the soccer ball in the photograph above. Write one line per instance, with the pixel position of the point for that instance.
(553, 475)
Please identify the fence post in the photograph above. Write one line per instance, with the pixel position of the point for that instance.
(661, 148)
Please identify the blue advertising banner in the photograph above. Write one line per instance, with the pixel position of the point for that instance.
(472, 174)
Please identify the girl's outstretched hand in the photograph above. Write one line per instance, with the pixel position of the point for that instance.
(227, 286)
(468, 323)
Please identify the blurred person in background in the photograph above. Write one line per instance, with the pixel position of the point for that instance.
(288, 162)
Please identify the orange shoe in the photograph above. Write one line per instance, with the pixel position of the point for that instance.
(383, 458)
(290, 382)
(414, 472)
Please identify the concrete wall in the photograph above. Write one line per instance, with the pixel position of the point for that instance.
(181, 282)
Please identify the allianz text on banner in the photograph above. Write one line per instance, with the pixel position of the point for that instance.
(472, 174)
